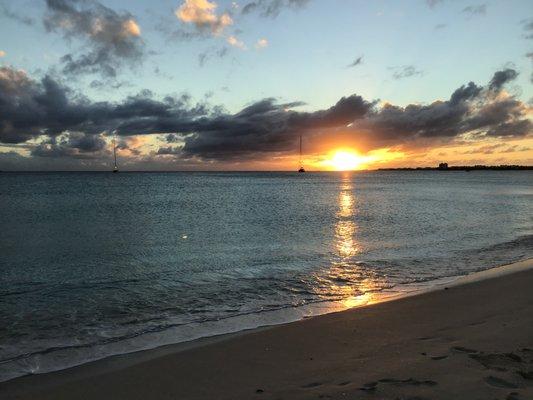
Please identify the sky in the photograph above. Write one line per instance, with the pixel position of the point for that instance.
(233, 85)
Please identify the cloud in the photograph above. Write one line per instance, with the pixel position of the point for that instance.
(169, 150)
(73, 144)
(528, 28)
(497, 148)
(202, 13)
(261, 43)
(405, 71)
(272, 8)
(474, 10)
(58, 122)
(500, 78)
(112, 39)
(210, 53)
(440, 26)
(30, 109)
(2, 53)
(233, 41)
(356, 62)
(15, 16)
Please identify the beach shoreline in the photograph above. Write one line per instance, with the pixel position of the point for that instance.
(305, 348)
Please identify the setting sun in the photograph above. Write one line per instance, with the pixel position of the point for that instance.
(345, 161)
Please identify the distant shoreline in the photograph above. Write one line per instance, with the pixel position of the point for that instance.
(465, 168)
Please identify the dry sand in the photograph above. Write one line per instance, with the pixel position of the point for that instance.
(469, 341)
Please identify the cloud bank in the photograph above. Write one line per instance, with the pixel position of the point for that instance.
(54, 121)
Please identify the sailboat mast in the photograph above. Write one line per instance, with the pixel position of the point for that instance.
(115, 151)
(301, 169)
(115, 168)
(300, 149)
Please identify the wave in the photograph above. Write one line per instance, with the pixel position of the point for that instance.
(57, 356)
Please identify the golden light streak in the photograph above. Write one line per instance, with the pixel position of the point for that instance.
(346, 159)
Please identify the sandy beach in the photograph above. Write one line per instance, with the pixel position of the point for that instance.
(470, 340)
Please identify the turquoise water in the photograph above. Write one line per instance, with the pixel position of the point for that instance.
(94, 264)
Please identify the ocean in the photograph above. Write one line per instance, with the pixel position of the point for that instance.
(96, 264)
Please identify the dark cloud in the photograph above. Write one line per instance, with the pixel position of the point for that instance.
(500, 78)
(112, 39)
(440, 26)
(30, 109)
(405, 71)
(172, 138)
(513, 128)
(74, 144)
(356, 62)
(465, 92)
(66, 124)
(471, 11)
(470, 109)
(266, 127)
(272, 8)
(500, 117)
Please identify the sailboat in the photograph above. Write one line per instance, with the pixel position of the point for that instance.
(301, 170)
(115, 168)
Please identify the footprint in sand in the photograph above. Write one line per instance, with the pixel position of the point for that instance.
(498, 361)
(461, 349)
(500, 383)
(526, 374)
(409, 382)
(371, 386)
(312, 385)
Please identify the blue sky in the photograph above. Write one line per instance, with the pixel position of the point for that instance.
(308, 50)
(411, 52)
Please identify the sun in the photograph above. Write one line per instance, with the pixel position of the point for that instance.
(345, 161)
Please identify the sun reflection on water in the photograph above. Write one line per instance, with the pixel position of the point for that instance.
(358, 301)
(347, 281)
(345, 227)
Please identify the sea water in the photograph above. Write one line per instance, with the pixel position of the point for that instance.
(95, 264)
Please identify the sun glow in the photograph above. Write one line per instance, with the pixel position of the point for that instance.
(347, 159)
(343, 160)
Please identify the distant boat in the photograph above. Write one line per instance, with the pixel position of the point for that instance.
(301, 169)
(115, 168)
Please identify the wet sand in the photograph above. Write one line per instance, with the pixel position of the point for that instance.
(471, 340)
